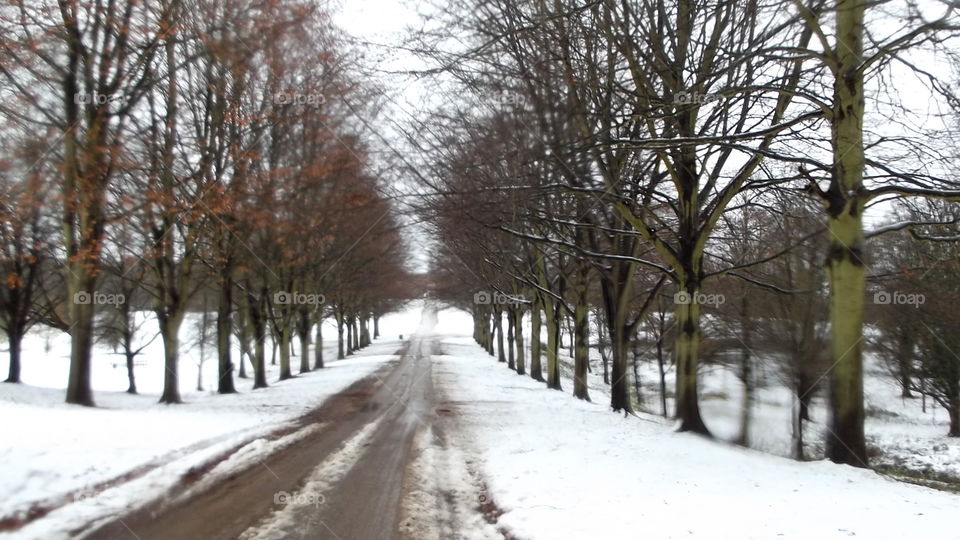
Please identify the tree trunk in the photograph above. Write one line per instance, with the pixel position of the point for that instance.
(687, 351)
(361, 324)
(746, 373)
(376, 327)
(581, 348)
(553, 345)
(364, 331)
(746, 406)
(204, 324)
(129, 354)
(605, 361)
(619, 385)
(490, 334)
(83, 227)
(600, 324)
(259, 365)
(536, 371)
(663, 374)
(202, 356)
(224, 330)
(923, 395)
(635, 349)
(244, 342)
(498, 328)
(511, 359)
(798, 420)
(845, 442)
(285, 335)
(169, 330)
(845, 438)
(615, 286)
(131, 379)
(490, 328)
(81, 342)
(15, 339)
(356, 334)
(304, 341)
(954, 411)
(805, 387)
(258, 322)
(349, 336)
(340, 352)
(318, 346)
(518, 331)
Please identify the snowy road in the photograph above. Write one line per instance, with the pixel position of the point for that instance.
(345, 479)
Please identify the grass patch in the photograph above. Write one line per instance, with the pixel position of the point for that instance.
(931, 479)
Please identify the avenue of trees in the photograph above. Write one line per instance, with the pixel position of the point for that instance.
(178, 156)
(747, 182)
(688, 179)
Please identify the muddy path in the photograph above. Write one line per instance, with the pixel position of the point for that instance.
(374, 422)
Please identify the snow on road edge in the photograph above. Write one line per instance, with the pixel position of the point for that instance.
(444, 499)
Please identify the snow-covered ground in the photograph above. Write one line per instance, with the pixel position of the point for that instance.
(562, 468)
(538, 462)
(86, 462)
(900, 434)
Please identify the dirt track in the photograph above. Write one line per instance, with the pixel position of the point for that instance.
(364, 503)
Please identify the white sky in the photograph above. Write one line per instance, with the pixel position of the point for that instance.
(371, 18)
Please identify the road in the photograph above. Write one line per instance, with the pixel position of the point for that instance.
(359, 456)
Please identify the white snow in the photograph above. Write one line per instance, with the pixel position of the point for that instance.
(562, 468)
